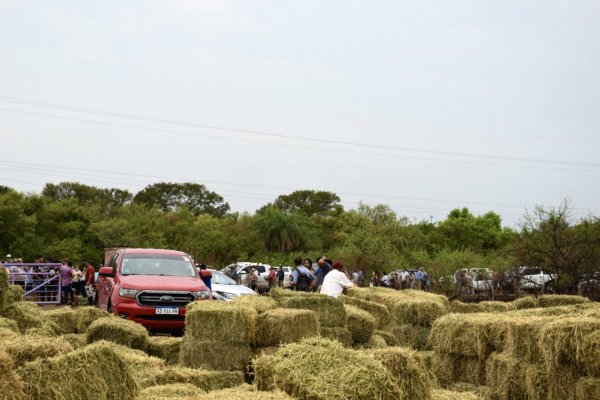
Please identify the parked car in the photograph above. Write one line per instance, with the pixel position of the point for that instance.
(150, 286)
(287, 277)
(226, 288)
(535, 279)
(242, 269)
(482, 279)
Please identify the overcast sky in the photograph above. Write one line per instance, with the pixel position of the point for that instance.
(422, 105)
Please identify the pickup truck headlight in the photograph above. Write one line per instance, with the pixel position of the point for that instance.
(201, 295)
(130, 293)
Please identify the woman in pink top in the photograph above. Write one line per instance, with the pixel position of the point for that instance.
(66, 275)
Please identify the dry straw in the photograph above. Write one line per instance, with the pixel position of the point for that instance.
(341, 334)
(117, 330)
(407, 366)
(221, 321)
(27, 348)
(360, 323)
(9, 324)
(525, 302)
(459, 307)
(496, 306)
(589, 356)
(375, 342)
(84, 316)
(165, 347)
(11, 385)
(259, 303)
(416, 311)
(414, 336)
(553, 300)
(587, 388)
(318, 368)
(77, 340)
(94, 372)
(330, 311)
(214, 355)
(170, 391)
(242, 393)
(64, 319)
(505, 377)
(285, 326)
(561, 341)
(27, 315)
(378, 311)
(440, 394)
(389, 337)
(522, 337)
(202, 379)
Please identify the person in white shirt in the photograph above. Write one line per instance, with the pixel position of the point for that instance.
(336, 281)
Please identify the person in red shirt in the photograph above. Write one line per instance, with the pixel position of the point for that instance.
(90, 281)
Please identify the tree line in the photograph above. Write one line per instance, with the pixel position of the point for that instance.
(76, 221)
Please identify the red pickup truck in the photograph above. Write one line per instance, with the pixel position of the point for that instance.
(151, 286)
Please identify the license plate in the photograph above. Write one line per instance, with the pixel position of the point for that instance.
(167, 310)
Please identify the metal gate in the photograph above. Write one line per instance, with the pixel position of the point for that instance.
(41, 283)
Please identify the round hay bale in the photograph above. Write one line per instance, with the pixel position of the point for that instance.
(417, 311)
(77, 340)
(285, 326)
(522, 337)
(496, 306)
(459, 307)
(214, 355)
(406, 365)
(318, 368)
(360, 323)
(245, 392)
(94, 372)
(505, 377)
(170, 391)
(226, 321)
(9, 324)
(525, 302)
(561, 341)
(378, 311)
(340, 334)
(27, 348)
(389, 338)
(589, 356)
(204, 380)
(259, 303)
(553, 300)
(469, 335)
(84, 316)
(165, 347)
(330, 311)
(414, 336)
(117, 330)
(441, 394)
(64, 319)
(27, 315)
(587, 388)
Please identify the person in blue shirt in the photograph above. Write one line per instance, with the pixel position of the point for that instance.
(419, 277)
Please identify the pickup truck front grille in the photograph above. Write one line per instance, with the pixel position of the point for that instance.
(165, 299)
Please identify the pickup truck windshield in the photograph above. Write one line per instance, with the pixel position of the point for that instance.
(157, 264)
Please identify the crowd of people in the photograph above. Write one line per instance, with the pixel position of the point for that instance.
(48, 281)
(403, 279)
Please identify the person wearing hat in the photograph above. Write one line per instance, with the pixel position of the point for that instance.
(336, 281)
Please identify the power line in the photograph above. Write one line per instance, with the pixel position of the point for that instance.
(36, 103)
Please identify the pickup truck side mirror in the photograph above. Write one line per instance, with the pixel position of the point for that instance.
(106, 271)
(204, 274)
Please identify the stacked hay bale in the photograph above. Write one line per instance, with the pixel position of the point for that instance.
(165, 347)
(64, 320)
(170, 391)
(218, 335)
(463, 343)
(11, 385)
(84, 316)
(25, 348)
(553, 300)
(360, 323)
(281, 325)
(319, 368)
(117, 330)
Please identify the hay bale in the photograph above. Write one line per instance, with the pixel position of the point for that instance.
(441, 394)
(561, 341)
(165, 347)
(265, 351)
(94, 372)
(496, 306)
(340, 334)
(330, 311)
(214, 355)
(375, 342)
(221, 321)
(505, 377)
(480, 391)
(204, 380)
(390, 296)
(576, 309)
(406, 365)
(278, 293)
(84, 316)
(142, 367)
(11, 385)
(359, 293)
(14, 293)
(389, 337)
(522, 337)
(469, 335)
(525, 302)
(448, 369)
(414, 336)
(416, 311)
(259, 303)
(169, 391)
(587, 388)
(536, 383)
(285, 326)
(459, 307)
(245, 392)
(561, 381)
(47, 329)
(27, 348)
(4, 298)
(27, 315)
(64, 319)
(360, 323)
(77, 340)
(318, 368)
(553, 300)
(589, 356)
(117, 330)
(6, 333)
(378, 311)
(9, 324)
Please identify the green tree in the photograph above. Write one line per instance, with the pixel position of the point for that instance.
(310, 202)
(105, 199)
(283, 232)
(172, 196)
